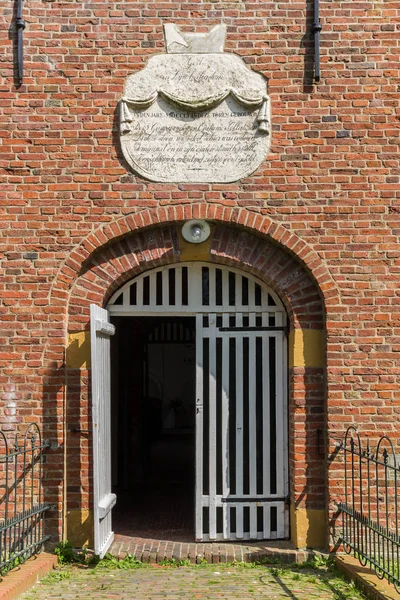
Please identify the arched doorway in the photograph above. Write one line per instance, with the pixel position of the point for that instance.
(232, 329)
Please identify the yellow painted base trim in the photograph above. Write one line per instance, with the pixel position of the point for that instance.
(80, 528)
(78, 350)
(308, 527)
(190, 252)
(306, 348)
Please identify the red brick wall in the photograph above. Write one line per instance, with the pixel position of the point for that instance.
(328, 191)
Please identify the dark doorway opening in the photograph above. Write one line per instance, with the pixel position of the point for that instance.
(153, 426)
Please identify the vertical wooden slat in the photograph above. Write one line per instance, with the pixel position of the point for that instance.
(178, 286)
(165, 287)
(281, 400)
(213, 427)
(253, 520)
(196, 289)
(225, 428)
(280, 435)
(265, 413)
(273, 534)
(212, 289)
(252, 296)
(139, 293)
(266, 522)
(238, 292)
(264, 297)
(225, 290)
(252, 407)
(239, 426)
(281, 524)
(152, 290)
(199, 428)
(252, 425)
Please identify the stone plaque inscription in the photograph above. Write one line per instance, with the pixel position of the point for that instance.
(171, 144)
(195, 118)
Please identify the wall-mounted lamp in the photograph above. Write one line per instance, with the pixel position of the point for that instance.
(196, 231)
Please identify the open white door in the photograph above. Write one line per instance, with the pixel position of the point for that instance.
(104, 500)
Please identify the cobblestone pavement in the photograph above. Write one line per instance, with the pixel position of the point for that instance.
(191, 583)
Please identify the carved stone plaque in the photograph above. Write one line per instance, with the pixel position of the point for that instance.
(200, 117)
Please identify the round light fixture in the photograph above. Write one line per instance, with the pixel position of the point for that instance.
(196, 231)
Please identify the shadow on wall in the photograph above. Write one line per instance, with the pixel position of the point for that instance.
(67, 425)
(53, 467)
(79, 515)
(307, 42)
(309, 525)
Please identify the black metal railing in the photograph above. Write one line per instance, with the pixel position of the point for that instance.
(21, 498)
(370, 519)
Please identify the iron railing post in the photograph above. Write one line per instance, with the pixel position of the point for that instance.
(21, 530)
(371, 530)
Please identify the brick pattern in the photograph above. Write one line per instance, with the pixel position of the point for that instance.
(156, 551)
(328, 193)
(190, 583)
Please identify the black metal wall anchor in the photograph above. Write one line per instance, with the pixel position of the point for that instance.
(20, 26)
(79, 430)
(316, 30)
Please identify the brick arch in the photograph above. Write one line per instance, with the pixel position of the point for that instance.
(114, 264)
(120, 231)
(118, 251)
(241, 239)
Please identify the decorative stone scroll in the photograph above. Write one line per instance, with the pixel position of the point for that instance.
(195, 114)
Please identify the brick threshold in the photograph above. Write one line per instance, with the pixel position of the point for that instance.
(22, 578)
(155, 551)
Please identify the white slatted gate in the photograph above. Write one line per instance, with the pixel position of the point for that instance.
(241, 420)
(241, 481)
(104, 499)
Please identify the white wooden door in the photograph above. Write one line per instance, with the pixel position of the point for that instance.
(104, 500)
(241, 437)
